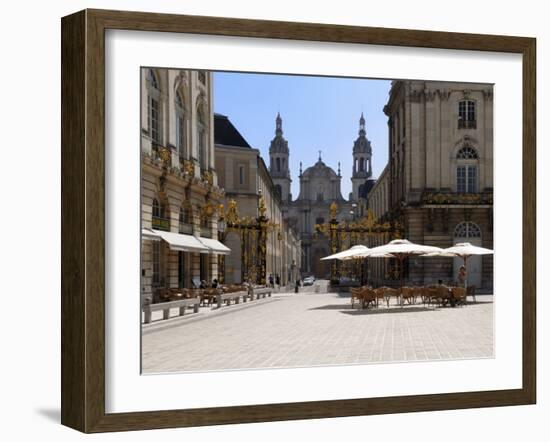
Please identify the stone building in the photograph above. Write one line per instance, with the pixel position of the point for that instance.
(320, 186)
(438, 183)
(179, 185)
(244, 176)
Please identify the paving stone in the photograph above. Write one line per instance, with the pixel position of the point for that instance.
(317, 329)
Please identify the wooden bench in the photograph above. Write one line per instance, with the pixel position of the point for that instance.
(222, 298)
(261, 292)
(148, 309)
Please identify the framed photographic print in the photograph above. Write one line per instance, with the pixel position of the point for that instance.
(268, 221)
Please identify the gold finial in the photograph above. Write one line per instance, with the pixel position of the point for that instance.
(333, 210)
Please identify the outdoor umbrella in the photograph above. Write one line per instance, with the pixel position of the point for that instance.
(350, 253)
(462, 250)
(401, 249)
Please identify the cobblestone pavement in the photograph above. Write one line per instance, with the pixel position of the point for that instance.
(291, 330)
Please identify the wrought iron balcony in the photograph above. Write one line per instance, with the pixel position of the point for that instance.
(186, 228)
(484, 198)
(161, 223)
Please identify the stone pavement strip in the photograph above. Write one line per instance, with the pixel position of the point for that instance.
(317, 329)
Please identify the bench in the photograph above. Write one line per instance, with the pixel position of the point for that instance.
(261, 292)
(231, 296)
(182, 304)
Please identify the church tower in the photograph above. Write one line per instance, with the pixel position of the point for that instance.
(278, 162)
(362, 166)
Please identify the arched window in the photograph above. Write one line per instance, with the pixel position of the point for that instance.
(467, 229)
(180, 124)
(361, 165)
(466, 170)
(278, 161)
(153, 106)
(201, 136)
(467, 114)
(467, 153)
(278, 190)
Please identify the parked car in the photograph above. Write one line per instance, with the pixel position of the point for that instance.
(309, 280)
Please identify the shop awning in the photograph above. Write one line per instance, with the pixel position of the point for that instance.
(215, 246)
(182, 243)
(149, 234)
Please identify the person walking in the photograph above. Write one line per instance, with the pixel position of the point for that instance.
(271, 281)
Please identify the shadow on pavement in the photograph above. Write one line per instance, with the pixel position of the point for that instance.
(382, 311)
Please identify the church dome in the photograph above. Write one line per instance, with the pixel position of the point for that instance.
(319, 170)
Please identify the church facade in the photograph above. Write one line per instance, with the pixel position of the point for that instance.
(320, 187)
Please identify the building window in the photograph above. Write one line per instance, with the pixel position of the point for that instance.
(361, 165)
(201, 134)
(466, 114)
(160, 220)
(466, 179)
(180, 124)
(467, 153)
(185, 221)
(320, 220)
(278, 190)
(153, 106)
(467, 229)
(278, 162)
(466, 171)
(241, 175)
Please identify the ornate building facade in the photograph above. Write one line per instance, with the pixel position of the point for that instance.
(250, 188)
(320, 188)
(438, 183)
(179, 184)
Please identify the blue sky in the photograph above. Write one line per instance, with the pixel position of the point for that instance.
(319, 113)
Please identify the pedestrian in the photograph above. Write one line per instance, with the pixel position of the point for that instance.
(278, 280)
(462, 275)
(215, 283)
(271, 281)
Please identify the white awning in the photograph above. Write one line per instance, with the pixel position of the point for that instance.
(182, 243)
(149, 234)
(215, 246)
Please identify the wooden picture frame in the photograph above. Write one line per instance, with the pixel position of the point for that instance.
(83, 216)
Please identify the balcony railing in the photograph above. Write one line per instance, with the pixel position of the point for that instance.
(485, 198)
(161, 223)
(186, 228)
